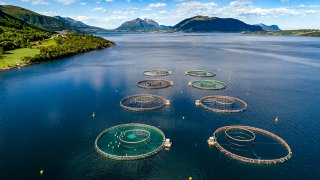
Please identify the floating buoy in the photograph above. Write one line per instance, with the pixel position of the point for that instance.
(183, 117)
(167, 103)
(93, 114)
(41, 172)
(190, 178)
(276, 119)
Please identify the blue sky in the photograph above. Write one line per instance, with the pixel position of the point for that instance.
(288, 14)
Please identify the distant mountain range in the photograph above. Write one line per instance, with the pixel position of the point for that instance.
(194, 24)
(269, 28)
(78, 25)
(214, 24)
(46, 22)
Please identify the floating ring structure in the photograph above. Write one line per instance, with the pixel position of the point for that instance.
(249, 135)
(154, 84)
(222, 104)
(143, 102)
(130, 141)
(200, 73)
(157, 72)
(208, 84)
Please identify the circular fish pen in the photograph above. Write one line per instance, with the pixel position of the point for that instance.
(157, 72)
(154, 84)
(130, 141)
(251, 145)
(143, 102)
(208, 84)
(200, 73)
(222, 104)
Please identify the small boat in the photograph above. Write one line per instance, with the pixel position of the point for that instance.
(167, 143)
(211, 141)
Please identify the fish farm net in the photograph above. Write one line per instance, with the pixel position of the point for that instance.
(157, 72)
(200, 73)
(251, 145)
(154, 84)
(130, 141)
(143, 102)
(223, 104)
(208, 84)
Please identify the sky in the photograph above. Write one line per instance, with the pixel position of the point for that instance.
(109, 14)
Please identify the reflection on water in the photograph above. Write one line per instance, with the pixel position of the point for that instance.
(46, 122)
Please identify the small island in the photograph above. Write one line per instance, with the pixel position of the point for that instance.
(23, 44)
(301, 32)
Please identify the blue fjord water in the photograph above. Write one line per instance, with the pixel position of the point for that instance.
(45, 109)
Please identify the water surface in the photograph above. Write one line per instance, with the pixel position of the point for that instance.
(45, 109)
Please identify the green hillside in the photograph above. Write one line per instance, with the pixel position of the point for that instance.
(16, 34)
(35, 19)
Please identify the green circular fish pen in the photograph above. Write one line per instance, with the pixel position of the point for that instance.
(200, 73)
(208, 84)
(222, 104)
(157, 72)
(251, 145)
(154, 84)
(143, 102)
(130, 141)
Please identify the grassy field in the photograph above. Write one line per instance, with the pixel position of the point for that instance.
(10, 58)
(49, 42)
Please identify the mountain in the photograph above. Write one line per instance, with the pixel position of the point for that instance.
(139, 25)
(214, 24)
(35, 19)
(79, 25)
(269, 28)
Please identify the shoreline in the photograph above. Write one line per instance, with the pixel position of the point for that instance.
(53, 59)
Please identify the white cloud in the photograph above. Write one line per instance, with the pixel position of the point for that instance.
(83, 3)
(157, 5)
(66, 2)
(109, 0)
(36, 2)
(100, 9)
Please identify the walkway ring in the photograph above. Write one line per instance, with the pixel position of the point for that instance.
(162, 103)
(251, 160)
(147, 84)
(208, 84)
(157, 72)
(155, 150)
(134, 142)
(251, 135)
(244, 105)
(200, 73)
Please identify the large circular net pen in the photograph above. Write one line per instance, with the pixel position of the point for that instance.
(154, 84)
(130, 141)
(143, 102)
(208, 84)
(157, 72)
(222, 104)
(200, 73)
(251, 145)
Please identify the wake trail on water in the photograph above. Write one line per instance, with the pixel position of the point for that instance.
(277, 56)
